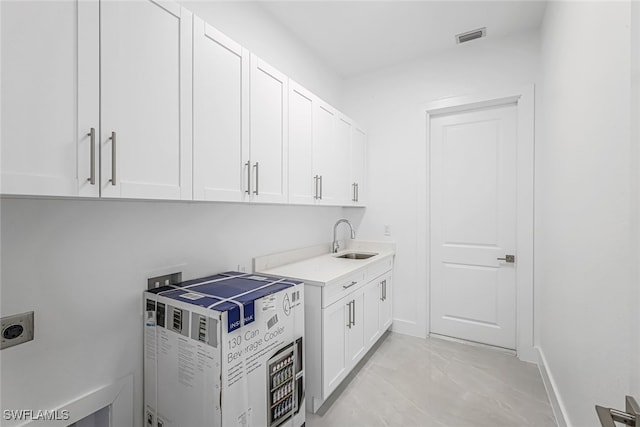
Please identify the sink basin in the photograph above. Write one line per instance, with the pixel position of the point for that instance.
(356, 255)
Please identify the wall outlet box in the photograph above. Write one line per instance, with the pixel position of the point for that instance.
(16, 329)
(164, 280)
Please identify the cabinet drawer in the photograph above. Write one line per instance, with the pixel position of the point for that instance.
(336, 290)
(378, 268)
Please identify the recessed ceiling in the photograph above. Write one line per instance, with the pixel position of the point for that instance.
(355, 37)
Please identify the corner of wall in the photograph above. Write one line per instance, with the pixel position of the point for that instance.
(557, 405)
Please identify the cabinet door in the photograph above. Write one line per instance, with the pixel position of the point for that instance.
(324, 150)
(268, 147)
(302, 181)
(334, 346)
(221, 108)
(146, 100)
(386, 304)
(358, 165)
(341, 167)
(355, 333)
(372, 300)
(50, 97)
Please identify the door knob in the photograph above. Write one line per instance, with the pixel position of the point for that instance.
(508, 258)
(608, 416)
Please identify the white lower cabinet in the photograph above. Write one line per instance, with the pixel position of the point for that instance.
(334, 344)
(385, 313)
(372, 301)
(343, 320)
(355, 329)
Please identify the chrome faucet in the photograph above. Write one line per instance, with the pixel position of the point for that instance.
(335, 245)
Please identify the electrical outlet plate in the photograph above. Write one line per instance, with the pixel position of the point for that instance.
(16, 329)
(164, 280)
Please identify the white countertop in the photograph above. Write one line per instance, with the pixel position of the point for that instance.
(324, 267)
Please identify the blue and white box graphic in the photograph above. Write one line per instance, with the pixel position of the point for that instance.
(225, 350)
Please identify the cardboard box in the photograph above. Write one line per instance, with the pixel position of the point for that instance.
(225, 350)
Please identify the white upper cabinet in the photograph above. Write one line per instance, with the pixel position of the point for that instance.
(331, 155)
(140, 99)
(266, 165)
(96, 99)
(325, 152)
(341, 167)
(303, 184)
(50, 98)
(220, 114)
(145, 137)
(358, 166)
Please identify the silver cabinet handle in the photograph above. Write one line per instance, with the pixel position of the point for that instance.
(248, 165)
(320, 187)
(508, 258)
(256, 191)
(92, 156)
(348, 286)
(315, 187)
(113, 158)
(354, 312)
(353, 188)
(349, 320)
(357, 192)
(384, 288)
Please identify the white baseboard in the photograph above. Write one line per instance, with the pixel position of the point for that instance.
(559, 410)
(407, 327)
(528, 354)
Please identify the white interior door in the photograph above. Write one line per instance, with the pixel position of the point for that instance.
(145, 94)
(473, 223)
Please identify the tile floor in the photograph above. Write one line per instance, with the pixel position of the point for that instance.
(416, 382)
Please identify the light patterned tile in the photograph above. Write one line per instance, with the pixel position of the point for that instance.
(410, 381)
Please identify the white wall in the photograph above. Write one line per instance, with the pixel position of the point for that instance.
(635, 188)
(82, 265)
(585, 247)
(389, 104)
(249, 24)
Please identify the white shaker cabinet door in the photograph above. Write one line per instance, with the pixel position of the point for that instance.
(324, 150)
(303, 184)
(341, 167)
(372, 300)
(334, 345)
(220, 115)
(355, 332)
(50, 98)
(358, 166)
(146, 87)
(267, 161)
(386, 301)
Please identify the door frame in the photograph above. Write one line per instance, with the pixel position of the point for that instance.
(523, 97)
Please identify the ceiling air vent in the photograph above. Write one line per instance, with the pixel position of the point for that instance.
(471, 35)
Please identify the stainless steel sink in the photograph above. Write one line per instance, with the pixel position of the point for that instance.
(356, 255)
